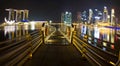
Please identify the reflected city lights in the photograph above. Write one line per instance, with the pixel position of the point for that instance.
(89, 40)
(112, 47)
(108, 37)
(83, 30)
(104, 30)
(96, 32)
(112, 36)
(26, 27)
(32, 24)
(99, 36)
(26, 23)
(104, 44)
(8, 29)
(104, 48)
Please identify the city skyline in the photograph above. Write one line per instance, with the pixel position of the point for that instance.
(52, 9)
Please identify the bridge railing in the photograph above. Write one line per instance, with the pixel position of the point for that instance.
(94, 54)
(16, 53)
(67, 32)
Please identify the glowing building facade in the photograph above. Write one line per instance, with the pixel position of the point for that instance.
(18, 15)
(84, 16)
(66, 18)
(90, 16)
(105, 14)
(112, 17)
(97, 16)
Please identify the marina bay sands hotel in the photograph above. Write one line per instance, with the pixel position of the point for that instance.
(17, 15)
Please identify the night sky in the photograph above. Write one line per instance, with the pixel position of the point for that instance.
(51, 9)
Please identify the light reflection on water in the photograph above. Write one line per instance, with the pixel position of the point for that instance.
(32, 24)
(105, 38)
(13, 31)
(8, 29)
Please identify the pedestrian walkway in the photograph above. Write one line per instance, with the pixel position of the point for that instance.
(57, 52)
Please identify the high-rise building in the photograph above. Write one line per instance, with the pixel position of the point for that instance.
(84, 16)
(100, 15)
(112, 17)
(105, 14)
(68, 18)
(18, 15)
(90, 16)
(97, 16)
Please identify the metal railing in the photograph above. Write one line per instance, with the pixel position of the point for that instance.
(94, 54)
(16, 52)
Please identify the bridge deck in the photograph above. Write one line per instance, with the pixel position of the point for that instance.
(57, 52)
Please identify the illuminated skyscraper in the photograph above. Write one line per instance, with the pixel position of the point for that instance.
(100, 15)
(84, 16)
(105, 14)
(96, 16)
(68, 18)
(112, 17)
(90, 16)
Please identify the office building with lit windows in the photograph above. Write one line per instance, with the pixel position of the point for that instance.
(66, 18)
(90, 16)
(84, 17)
(97, 15)
(105, 14)
(112, 17)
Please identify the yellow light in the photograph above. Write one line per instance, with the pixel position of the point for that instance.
(30, 56)
(104, 44)
(112, 63)
(26, 27)
(104, 30)
(26, 23)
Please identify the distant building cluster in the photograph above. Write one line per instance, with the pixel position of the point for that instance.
(93, 16)
(17, 15)
(66, 18)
